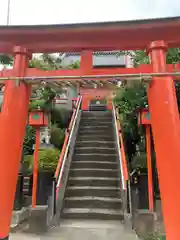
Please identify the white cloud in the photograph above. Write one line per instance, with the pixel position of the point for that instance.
(70, 11)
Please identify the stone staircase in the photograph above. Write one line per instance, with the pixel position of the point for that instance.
(93, 188)
(92, 204)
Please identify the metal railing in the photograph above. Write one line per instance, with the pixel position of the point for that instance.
(66, 145)
(75, 77)
(119, 150)
(123, 162)
(102, 77)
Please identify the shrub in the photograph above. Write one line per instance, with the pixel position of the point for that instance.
(61, 117)
(29, 140)
(28, 162)
(48, 159)
(128, 99)
(57, 136)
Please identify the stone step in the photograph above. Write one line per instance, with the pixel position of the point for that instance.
(96, 114)
(93, 164)
(79, 229)
(94, 157)
(98, 107)
(96, 120)
(83, 213)
(93, 202)
(108, 144)
(85, 187)
(96, 134)
(95, 128)
(95, 137)
(89, 150)
(98, 192)
(93, 181)
(96, 131)
(92, 172)
(95, 117)
(95, 123)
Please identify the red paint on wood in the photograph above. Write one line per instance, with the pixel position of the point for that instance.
(38, 119)
(35, 168)
(166, 133)
(12, 129)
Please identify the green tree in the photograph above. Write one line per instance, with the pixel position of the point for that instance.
(6, 59)
(45, 62)
(29, 140)
(131, 97)
(45, 95)
(140, 56)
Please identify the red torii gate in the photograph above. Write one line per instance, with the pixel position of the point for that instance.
(154, 35)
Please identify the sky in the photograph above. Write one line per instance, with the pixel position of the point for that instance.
(34, 12)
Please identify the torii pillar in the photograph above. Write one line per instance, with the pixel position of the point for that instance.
(13, 118)
(166, 132)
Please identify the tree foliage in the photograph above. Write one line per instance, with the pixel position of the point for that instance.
(46, 62)
(6, 59)
(47, 161)
(140, 56)
(133, 96)
(128, 99)
(29, 140)
(42, 98)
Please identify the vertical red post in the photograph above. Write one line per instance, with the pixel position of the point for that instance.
(86, 68)
(149, 167)
(12, 129)
(166, 132)
(35, 168)
(86, 61)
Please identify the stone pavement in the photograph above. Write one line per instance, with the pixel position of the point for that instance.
(85, 230)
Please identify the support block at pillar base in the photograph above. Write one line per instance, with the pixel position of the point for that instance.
(38, 219)
(144, 223)
(128, 221)
(18, 217)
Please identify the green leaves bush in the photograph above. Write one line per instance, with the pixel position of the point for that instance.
(128, 99)
(57, 136)
(48, 159)
(134, 96)
(29, 140)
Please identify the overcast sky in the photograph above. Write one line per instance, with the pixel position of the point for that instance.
(74, 11)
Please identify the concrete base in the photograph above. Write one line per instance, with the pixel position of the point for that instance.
(38, 220)
(144, 223)
(18, 217)
(160, 222)
(80, 230)
(128, 221)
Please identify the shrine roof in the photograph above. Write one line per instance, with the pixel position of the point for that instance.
(103, 36)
